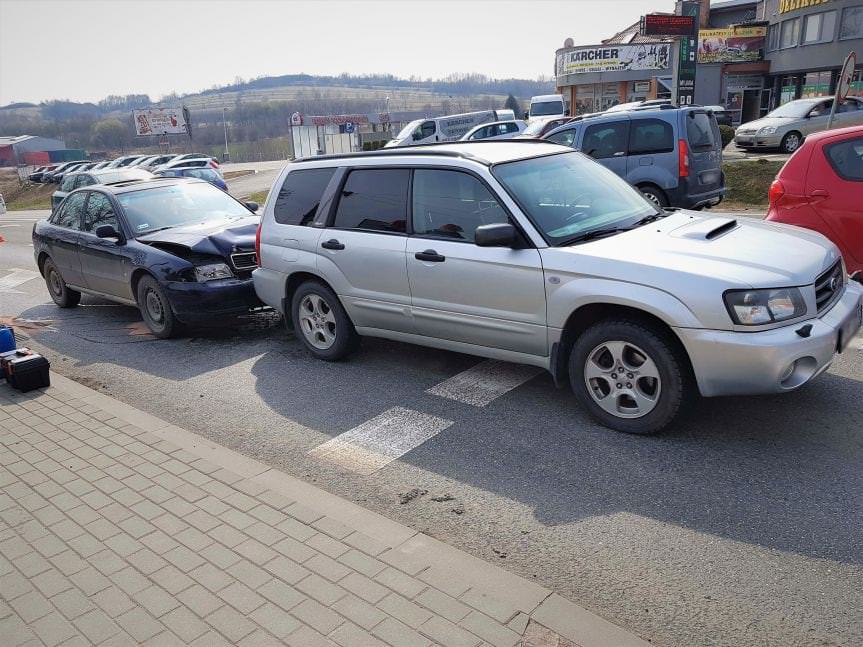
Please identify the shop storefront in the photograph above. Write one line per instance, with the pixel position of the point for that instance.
(807, 42)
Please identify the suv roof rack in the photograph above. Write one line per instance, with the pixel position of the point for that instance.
(423, 149)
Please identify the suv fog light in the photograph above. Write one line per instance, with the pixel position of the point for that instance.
(788, 371)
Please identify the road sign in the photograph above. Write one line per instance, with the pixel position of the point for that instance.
(843, 85)
(686, 62)
(349, 127)
(659, 24)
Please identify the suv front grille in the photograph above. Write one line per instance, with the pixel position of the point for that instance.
(828, 286)
(244, 260)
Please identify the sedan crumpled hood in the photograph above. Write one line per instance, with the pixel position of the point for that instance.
(220, 239)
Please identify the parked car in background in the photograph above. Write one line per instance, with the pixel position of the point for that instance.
(59, 174)
(723, 116)
(157, 161)
(180, 250)
(210, 175)
(546, 105)
(821, 188)
(786, 127)
(190, 156)
(51, 176)
(38, 175)
(445, 128)
(539, 126)
(77, 180)
(672, 155)
(101, 165)
(496, 130)
(528, 252)
(201, 162)
(126, 160)
(142, 160)
(635, 105)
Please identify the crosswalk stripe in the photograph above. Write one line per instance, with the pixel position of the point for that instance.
(16, 277)
(378, 442)
(483, 383)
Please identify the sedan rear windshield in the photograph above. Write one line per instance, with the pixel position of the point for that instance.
(546, 108)
(180, 204)
(569, 194)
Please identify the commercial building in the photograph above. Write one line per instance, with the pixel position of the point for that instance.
(14, 149)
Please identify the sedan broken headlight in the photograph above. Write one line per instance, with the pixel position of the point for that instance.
(212, 272)
(760, 307)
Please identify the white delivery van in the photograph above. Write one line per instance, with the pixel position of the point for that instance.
(446, 129)
(547, 105)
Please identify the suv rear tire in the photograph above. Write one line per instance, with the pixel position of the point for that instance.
(321, 323)
(628, 376)
(61, 294)
(655, 195)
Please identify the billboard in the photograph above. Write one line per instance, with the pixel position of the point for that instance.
(160, 121)
(732, 45)
(614, 58)
(662, 24)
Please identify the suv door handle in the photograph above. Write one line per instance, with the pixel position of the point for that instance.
(430, 256)
(332, 243)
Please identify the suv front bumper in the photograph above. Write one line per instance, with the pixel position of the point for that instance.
(772, 361)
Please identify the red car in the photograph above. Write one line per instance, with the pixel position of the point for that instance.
(821, 188)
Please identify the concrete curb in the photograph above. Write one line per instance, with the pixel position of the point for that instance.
(448, 568)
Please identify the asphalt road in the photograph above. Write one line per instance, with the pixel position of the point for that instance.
(741, 526)
(261, 180)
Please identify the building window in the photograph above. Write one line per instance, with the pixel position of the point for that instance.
(852, 23)
(816, 84)
(773, 37)
(819, 27)
(789, 35)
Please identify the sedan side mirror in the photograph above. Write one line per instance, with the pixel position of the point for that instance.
(252, 206)
(107, 231)
(499, 235)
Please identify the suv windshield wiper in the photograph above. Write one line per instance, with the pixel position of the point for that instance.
(590, 235)
(650, 218)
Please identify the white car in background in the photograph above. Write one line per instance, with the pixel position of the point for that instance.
(495, 130)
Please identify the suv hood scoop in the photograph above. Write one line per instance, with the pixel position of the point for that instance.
(706, 229)
(221, 239)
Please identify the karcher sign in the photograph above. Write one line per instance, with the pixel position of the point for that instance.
(793, 5)
(614, 58)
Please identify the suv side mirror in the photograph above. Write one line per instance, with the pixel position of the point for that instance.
(252, 206)
(107, 231)
(499, 235)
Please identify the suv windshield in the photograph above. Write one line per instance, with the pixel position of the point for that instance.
(180, 204)
(546, 108)
(569, 195)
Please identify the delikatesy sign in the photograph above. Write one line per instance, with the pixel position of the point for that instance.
(614, 58)
(160, 121)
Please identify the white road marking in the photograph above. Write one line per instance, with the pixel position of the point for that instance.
(15, 278)
(483, 383)
(381, 440)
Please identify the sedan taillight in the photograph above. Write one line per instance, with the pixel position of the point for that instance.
(776, 192)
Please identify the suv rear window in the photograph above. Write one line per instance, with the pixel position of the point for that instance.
(300, 195)
(846, 158)
(375, 200)
(699, 131)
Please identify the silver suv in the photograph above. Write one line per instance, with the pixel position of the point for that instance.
(530, 252)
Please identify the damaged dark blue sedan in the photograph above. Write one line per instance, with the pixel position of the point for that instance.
(180, 250)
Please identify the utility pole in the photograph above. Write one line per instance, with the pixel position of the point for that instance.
(225, 126)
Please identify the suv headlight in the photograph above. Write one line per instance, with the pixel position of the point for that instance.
(760, 307)
(212, 272)
(767, 130)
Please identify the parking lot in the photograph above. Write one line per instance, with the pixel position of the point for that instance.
(741, 525)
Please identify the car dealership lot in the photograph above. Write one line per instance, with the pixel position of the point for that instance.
(741, 525)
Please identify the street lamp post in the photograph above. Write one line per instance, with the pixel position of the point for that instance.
(225, 126)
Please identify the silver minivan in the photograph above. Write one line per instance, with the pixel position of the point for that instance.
(529, 252)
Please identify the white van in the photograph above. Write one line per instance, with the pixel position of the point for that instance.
(447, 128)
(547, 105)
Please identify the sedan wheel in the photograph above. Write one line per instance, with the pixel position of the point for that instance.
(156, 309)
(791, 142)
(61, 294)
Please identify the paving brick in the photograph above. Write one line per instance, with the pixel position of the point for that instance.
(447, 634)
(183, 558)
(268, 515)
(31, 606)
(67, 529)
(102, 529)
(317, 616)
(53, 629)
(123, 544)
(275, 620)
(249, 574)
(294, 550)
(230, 623)
(304, 514)
(136, 527)
(202, 520)
(404, 610)
(185, 624)
(296, 529)
(31, 564)
(265, 533)
(255, 551)
(442, 604)
(274, 499)
(199, 600)
(408, 586)
(365, 543)
(51, 582)
(172, 579)
(362, 586)
(164, 639)
(179, 506)
(68, 562)
(159, 542)
(90, 581)
(444, 580)
(359, 611)
(350, 635)
(156, 600)
(241, 597)
(220, 556)
(320, 589)
(237, 519)
(169, 524)
(361, 562)
(113, 601)
(308, 637)
(106, 562)
(210, 577)
(96, 626)
(327, 567)
(209, 639)
(286, 569)
(403, 561)
(398, 634)
(72, 603)
(490, 630)
(281, 594)
(327, 545)
(227, 535)
(491, 606)
(146, 561)
(129, 580)
(138, 624)
(85, 545)
(49, 546)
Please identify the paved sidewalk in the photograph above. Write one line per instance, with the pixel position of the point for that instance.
(117, 528)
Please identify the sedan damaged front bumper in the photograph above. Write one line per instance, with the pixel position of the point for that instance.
(211, 302)
(772, 361)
